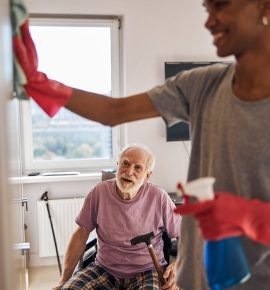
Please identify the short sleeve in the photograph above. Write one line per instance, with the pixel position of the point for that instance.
(87, 216)
(172, 221)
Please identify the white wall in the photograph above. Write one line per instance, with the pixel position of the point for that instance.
(153, 31)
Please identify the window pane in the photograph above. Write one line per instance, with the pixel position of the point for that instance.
(67, 136)
(79, 57)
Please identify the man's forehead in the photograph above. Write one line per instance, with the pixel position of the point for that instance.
(130, 159)
(139, 160)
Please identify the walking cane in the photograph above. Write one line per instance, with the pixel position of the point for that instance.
(147, 239)
(46, 199)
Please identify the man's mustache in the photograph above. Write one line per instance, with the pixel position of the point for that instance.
(128, 177)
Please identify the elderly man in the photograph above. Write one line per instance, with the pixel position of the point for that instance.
(119, 210)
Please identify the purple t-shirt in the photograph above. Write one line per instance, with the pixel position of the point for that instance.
(117, 221)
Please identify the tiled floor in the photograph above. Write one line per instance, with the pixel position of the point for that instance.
(42, 278)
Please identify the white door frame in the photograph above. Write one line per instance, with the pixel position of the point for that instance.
(6, 253)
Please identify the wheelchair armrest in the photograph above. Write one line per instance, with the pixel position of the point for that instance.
(89, 254)
(174, 247)
(169, 247)
(90, 244)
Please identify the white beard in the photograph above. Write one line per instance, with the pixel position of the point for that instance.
(132, 189)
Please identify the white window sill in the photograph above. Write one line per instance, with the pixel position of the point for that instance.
(58, 178)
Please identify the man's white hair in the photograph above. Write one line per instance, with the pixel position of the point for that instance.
(151, 158)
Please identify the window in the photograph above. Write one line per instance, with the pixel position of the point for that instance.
(82, 53)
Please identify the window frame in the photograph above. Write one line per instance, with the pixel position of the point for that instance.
(82, 165)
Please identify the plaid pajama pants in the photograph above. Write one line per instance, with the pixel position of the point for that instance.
(95, 277)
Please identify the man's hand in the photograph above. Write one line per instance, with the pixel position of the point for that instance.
(58, 286)
(169, 276)
(50, 95)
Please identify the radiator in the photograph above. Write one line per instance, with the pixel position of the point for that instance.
(63, 214)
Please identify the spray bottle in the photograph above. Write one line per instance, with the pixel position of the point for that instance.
(224, 260)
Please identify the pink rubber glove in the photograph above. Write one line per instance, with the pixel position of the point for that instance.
(230, 215)
(50, 95)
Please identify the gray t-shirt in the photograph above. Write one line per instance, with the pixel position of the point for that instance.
(230, 143)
